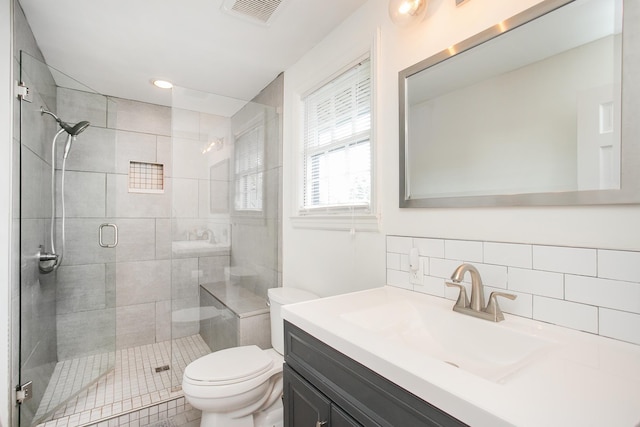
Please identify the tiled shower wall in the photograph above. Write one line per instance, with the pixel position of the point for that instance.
(135, 284)
(588, 289)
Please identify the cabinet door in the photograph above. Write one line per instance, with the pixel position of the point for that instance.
(339, 418)
(304, 406)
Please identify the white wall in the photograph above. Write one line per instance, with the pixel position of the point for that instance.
(331, 262)
(5, 204)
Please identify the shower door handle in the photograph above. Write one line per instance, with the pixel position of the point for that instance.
(115, 236)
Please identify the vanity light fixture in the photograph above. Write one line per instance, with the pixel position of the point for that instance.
(162, 84)
(406, 12)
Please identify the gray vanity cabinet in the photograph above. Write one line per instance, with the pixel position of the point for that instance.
(323, 387)
(308, 407)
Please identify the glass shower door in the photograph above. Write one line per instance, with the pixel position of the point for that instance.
(225, 225)
(200, 226)
(67, 318)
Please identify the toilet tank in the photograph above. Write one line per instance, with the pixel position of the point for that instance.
(277, 298)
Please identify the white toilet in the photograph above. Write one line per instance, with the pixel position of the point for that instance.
(242, 386)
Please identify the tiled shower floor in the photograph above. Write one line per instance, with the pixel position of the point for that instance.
(133, 384)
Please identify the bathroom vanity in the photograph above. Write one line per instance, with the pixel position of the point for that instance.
(393, 357)
(324, 387)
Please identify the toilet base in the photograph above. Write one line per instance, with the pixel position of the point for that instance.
(212, 419)
(272, 416)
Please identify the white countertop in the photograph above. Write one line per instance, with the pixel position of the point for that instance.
(578, 380)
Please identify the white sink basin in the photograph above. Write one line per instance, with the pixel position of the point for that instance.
(487, 349)
(515, 372)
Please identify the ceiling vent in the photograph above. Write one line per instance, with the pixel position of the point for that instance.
(260, 11)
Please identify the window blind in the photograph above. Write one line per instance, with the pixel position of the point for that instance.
(248, 170)
(337, 142)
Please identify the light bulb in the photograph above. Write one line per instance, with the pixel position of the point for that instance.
(162, 84)
(407, 12)
(405, 7)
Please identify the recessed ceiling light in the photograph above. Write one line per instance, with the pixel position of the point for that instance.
(162, 84)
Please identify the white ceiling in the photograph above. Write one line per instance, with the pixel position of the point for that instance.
(117, 46)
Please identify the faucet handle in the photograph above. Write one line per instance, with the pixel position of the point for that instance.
(492, 306)
(463, 301)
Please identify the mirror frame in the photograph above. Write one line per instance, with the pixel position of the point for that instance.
(629, 192)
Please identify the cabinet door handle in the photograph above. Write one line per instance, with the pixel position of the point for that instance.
(321, 423)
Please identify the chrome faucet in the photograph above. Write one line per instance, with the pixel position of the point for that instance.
(476, 308)
(204, 234)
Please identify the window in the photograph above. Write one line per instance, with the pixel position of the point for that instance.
(337, 144)
(248, 170)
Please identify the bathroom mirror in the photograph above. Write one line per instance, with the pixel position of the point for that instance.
(533, 111)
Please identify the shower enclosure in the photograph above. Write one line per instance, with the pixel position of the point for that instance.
(172, 229)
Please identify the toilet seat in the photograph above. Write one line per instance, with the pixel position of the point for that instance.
(229, 366)
(210, 379)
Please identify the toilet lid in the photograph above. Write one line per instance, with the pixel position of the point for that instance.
(230, 365)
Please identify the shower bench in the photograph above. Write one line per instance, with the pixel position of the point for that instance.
(242, 316)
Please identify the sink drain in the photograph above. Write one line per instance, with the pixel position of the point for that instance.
(451, 363)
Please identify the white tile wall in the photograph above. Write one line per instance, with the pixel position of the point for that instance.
(588, 289)
(620, 325)
(608, 293)
(565, 313)
(493, 275)
(463, 249)
(393, 261)
(430, 247)
(565, 260)
(536, 282)
(619, 265)
(401, 245)
(508, 254)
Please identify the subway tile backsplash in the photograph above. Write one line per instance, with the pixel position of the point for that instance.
(588, 289)
(565, 260)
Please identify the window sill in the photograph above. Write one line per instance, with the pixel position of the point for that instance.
(366, 223)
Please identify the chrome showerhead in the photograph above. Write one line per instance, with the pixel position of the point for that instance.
(76, 129)
(72, 130)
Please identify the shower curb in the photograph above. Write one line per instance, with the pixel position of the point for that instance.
(146, 416)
